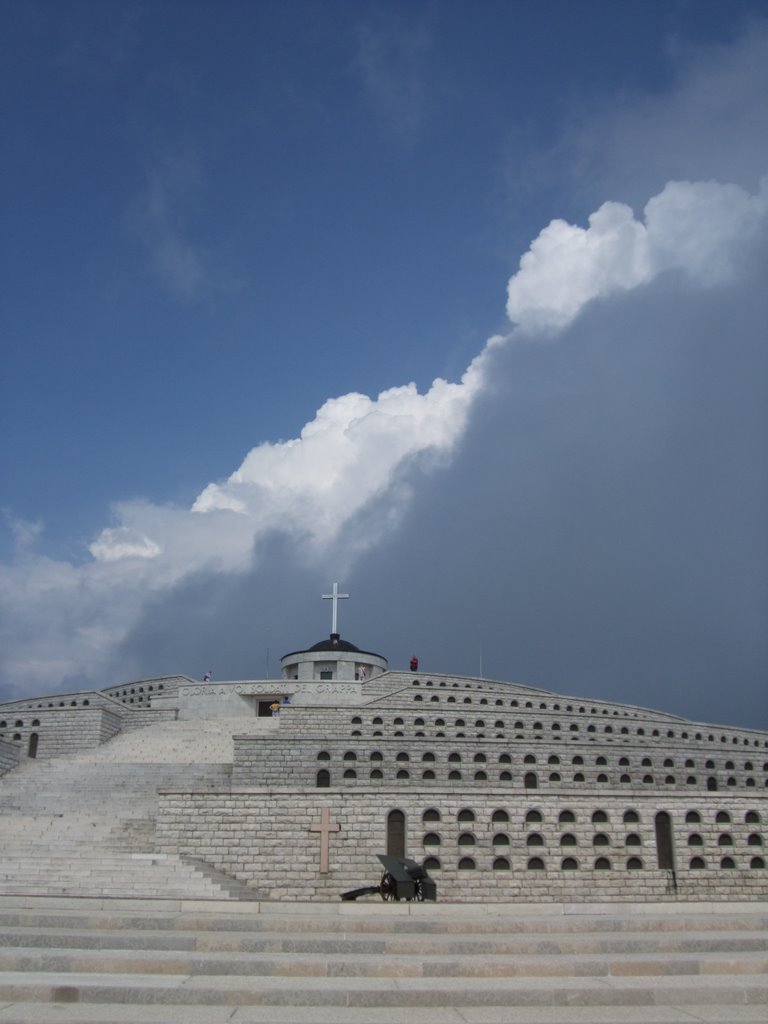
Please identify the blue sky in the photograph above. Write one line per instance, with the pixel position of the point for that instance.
(219, 217)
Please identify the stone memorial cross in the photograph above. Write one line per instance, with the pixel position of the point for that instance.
(325, 826)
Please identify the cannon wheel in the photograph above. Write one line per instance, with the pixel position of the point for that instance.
(418, 895)
(388, 887)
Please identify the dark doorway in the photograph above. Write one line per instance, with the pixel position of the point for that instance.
(396, 834)
(323, 778)
(32, 748)
(264, 709)
(665, 855)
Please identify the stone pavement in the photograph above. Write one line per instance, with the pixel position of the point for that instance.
(103, 961)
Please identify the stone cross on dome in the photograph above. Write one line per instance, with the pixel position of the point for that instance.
(335, 597)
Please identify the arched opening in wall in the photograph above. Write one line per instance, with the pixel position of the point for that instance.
(396, 833)
(323, 779)
(531, 782)
(665, 857)
(32, 748)
(712, 784)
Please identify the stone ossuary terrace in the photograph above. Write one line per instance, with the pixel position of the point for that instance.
(511, 796)
(505, 792)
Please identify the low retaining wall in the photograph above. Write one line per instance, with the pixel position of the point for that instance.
(273, 840)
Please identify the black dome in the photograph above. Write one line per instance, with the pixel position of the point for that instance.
(334, 643)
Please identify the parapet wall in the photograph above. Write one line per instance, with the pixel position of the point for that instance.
(9, 756)
(45, 734)
(477, 845)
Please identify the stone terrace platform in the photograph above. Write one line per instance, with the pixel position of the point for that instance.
(104, 961)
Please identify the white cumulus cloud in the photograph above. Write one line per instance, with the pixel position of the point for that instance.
(309, 486)
(694, 227)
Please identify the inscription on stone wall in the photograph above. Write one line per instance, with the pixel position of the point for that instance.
(239, 688)
(275, 687)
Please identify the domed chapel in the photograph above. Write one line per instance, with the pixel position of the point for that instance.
(287, 789)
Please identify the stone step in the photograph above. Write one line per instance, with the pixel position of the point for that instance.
(400, 992)
(114, 875)
(134, 1013)
(326, 943)
(346, 964)
(406, 922)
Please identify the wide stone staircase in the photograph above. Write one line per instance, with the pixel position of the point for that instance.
(84, 825)
(145, 962)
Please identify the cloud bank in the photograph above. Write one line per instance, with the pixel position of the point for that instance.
(355, 465)
(698, 228)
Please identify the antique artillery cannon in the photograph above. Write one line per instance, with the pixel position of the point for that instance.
(403, 879)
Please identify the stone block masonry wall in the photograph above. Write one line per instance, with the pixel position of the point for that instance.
(466, 760)
(64, 731)
(43, 731)
(477, 845)
(499, 711)
(141, 692)
(78, 699)
(9, 756)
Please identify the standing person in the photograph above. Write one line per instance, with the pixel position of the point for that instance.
(414, 664)
(207, 676)
(274, 707)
